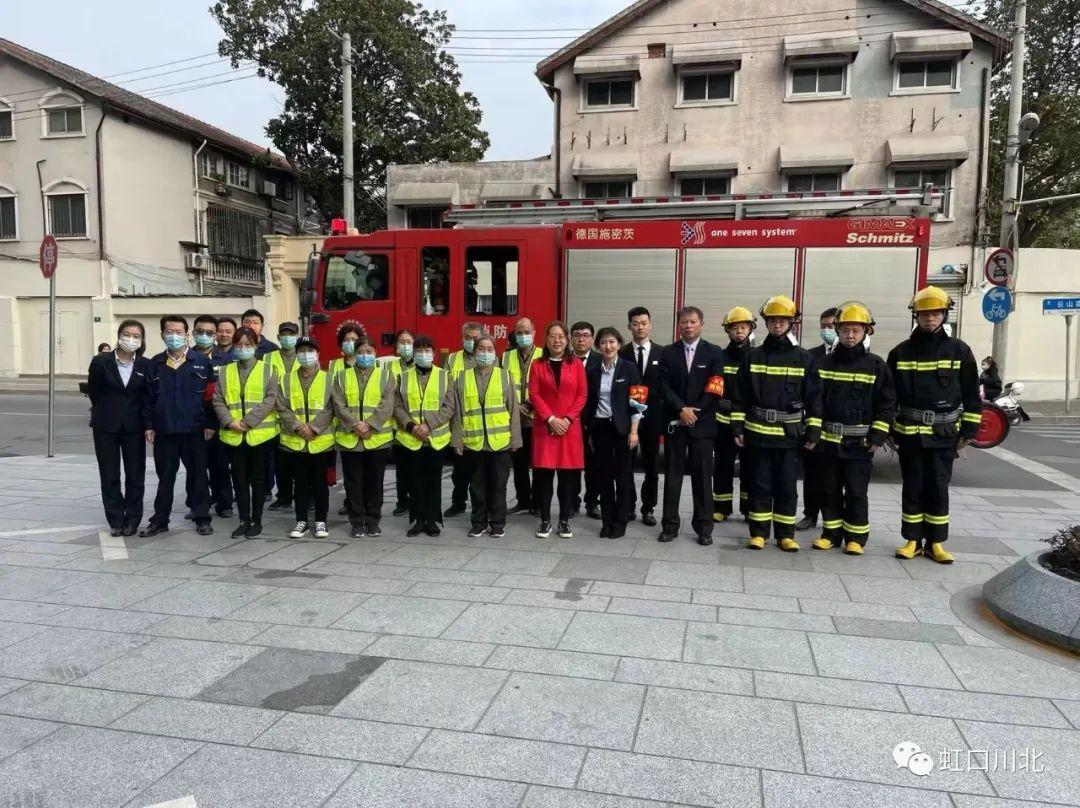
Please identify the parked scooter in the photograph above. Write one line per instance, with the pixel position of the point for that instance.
(1009, 401)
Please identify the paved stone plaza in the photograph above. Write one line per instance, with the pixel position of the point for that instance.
(547, 673)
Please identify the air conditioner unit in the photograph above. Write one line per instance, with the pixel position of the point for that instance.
(269, 188)
(197, 261)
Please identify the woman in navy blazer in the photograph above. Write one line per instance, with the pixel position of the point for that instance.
(613, 431)
(116, 385)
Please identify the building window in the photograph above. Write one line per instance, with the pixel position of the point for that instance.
(361, 278)
(9, 217)
(425, 218)
(7, 122)
(491, 280)
(284, 189)
(67, 215)
(211, 166)
(609, 93)
(435, 280)
(63, 121)
(239, 176)
(940, 178)
(704, 88)
(818, 81)
(818, 181)
(704, 186)
(607, 189)
(926, 74)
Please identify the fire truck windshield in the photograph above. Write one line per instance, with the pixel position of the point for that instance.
(351, 281)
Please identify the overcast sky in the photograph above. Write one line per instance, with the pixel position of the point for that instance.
(107, 37)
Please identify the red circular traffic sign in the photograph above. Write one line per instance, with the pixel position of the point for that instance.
(999, 266)
(993, 428)
(48, 255)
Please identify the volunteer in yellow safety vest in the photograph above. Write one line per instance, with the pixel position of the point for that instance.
(486, 428)
(283, 361)
(307, 436)
(363, 401)
(245, 404)
(347, 335)
(456, 364)
(404, 350)
(423, 408)
(517, 361)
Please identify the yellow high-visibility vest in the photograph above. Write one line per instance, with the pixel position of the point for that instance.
(278, 364)
(306, 408)
(488, 418)
(419, 406)
(512, 364)
(242, 400)
(455, 364)
(384, 432)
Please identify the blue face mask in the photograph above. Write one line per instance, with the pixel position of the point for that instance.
(468, 344)
(174, 342)
(288, 341)
(204, 340)
(828, 335)
(244, 354)
(485, 359)
(348, 347)
(365, 360)
(307, 359)
(404, 350)
(524, 340)
(425, 359)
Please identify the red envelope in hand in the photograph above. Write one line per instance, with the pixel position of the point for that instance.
(715, 385)
(639, 393)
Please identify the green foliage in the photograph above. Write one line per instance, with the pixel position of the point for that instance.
(408, 106)
(1051, 161)
(1064, 555)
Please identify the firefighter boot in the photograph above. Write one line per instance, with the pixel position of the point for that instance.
(789, 545)
(823, 544)
(853, 548)
(909, 550)
(938, 553)
(756, 543)
(718, 517)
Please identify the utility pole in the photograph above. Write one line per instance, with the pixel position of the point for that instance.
(1011, 193)
(349, 200)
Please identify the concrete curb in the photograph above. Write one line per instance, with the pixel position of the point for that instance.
(1040, 603)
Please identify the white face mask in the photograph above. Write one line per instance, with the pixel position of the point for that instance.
(130, 344)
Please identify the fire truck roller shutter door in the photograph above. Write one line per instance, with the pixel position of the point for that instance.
(602, 285)
(718, 279)
(881, 277)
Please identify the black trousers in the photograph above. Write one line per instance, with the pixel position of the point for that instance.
(649, 451)
(774, 495)
(488, 475)
(400, 460)
(420, 476)
(308, 474)
(123, 505)
(544, 491)
(845, 508)
(460, 479)
(725, 453)
(678, 446)
(522, 458)
(169, 452)
(217, 464)
(590, 477)
(365, 474)
(270, 471)
(282, 469)
(812, 492)
(614, 475)
(924, 498)
(248, 465)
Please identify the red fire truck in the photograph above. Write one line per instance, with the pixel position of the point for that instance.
(595, 259)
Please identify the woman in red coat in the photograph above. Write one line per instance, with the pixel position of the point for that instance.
(557, 394)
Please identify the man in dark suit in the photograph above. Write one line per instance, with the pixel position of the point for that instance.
(691, 377)
(645, 355)
(812, 490)
(582, 335)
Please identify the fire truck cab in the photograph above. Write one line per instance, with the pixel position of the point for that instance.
(494, 267)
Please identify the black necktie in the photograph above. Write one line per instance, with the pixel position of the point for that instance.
(641, 359)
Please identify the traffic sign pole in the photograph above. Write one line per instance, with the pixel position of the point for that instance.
(1068, 356)
(48, 257)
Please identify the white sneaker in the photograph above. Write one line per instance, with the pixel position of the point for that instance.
(320, 530)
(299, 531)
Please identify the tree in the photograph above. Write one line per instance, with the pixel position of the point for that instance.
(1051, 161)
(408, 106)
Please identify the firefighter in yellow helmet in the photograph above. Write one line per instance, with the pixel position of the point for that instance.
(777, 409)
(938, 413)
(858, 403)
(739, 323)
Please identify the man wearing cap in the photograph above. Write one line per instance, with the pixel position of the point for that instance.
(938, 413)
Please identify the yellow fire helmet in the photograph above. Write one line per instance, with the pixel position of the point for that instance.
(931, 299)
(740, 314)
(853, 311)
(780, 306)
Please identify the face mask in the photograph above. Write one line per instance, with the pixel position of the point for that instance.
(348, 347)
(130, 344)
(486, 359)
(288, 341)
(404, 350)
(205, 340)
(307, 359)
(174, 342)
(365, 360)
(828, 336)
(524, 340)
(244, 354)
(425, 359)
(468, 344)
